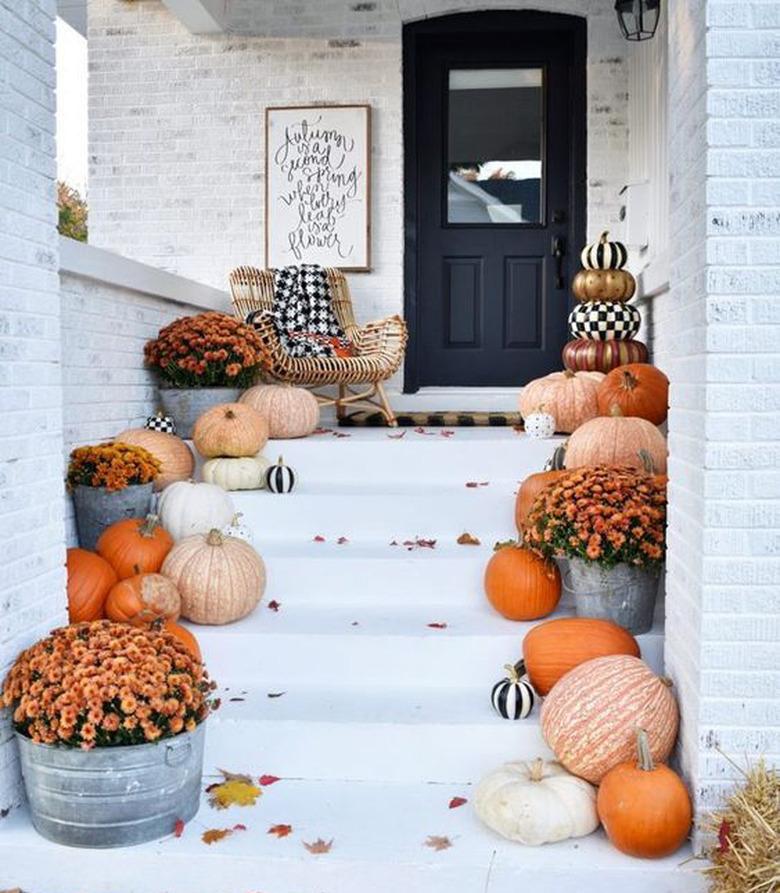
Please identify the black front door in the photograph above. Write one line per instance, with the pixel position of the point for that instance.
(494, 134)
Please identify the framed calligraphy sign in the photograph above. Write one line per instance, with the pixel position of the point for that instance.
(318, 186)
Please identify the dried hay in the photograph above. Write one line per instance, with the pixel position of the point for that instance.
(746, 858)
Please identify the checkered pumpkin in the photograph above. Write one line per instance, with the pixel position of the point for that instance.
(160, 422)
(602, 321)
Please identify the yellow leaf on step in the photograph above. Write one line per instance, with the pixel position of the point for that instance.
(234, 792)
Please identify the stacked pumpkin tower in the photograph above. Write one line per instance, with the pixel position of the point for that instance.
(603, 323)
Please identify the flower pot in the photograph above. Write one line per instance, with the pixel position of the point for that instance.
(96, 508)
(623, 594)
(112, 796)
(184, 405)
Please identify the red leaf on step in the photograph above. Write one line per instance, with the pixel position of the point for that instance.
(435, 842)
(341, 540)
(445, 432)
(393, 542)
(322, 431)
(472, 484)
(178, 828)
(319, 539)
(426, 544)
(274, 605)
(354, 623)
(239, 827)
(319, 846)
(215, 834)
(457, 801)
(724, 843)
(397, 436)
(280, 830)
(438, 625)
(423, 431)
(265, 780)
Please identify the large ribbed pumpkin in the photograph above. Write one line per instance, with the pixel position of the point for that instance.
(184, 636)
(554, 647)
(290, 411)
(174, 455)
(186, 508)
(568, 396)
(90, 578)
(591, 716)
(618, 440)
(230, 429)
(220, 578)
(142, 599)
(520, 585)
(638, 389)
(531, 487)
(135, 545)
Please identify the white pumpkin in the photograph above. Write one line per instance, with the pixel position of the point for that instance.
(246, 473)
(535, 803)
(186, 508)
(540, 424)
(238, 529)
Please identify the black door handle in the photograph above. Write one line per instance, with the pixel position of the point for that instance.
(558, 251)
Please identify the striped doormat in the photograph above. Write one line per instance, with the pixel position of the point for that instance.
(365, 419)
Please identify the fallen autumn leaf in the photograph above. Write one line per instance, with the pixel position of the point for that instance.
(319, 846)
(280, 830)
(457, 801)
(435, 842)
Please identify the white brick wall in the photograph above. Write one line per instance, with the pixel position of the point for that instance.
(716, 334)
(176, 129)
(32, 594)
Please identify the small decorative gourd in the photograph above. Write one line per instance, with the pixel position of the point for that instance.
(513, 697)
(244, 473)
(535, 803)
(604, 255)
(604, 321)
(539, 423)
(280, 478)
(238, 529)
(160, 422)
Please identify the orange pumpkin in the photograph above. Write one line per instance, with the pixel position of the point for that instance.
(531, 487)
(143, 598)
(184, 636)
(568, 396)
(90, 578)
(590, 717)
(230, 429)
(175, 456)
(617, 440)
(554, 647)
(135, 546)
(639, 389)
(520, 585)
(645, 808)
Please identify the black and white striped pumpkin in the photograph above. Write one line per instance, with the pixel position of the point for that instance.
(604, 255)
(280, 478)
(604, 321)
(161, 422)
(513, 697)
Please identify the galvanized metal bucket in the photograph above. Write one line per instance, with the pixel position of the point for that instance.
(624, 594)
(184, 405)
(112, 796)
(97, 508)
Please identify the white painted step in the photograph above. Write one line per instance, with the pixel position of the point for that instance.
(390, 645)
(378, 832)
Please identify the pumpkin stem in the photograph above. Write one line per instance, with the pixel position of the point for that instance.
(615, 411)
(537, 770)
(666, 681)
(515, 671)
(604, 237)
(506, 544)
(147, 527)
(569, 374)
(648, 463)
(215, 537)
(630, 381)
(280, 460)
(229, 414)
(236, 519)
(644, 757)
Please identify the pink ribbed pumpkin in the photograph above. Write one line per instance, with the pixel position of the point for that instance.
(591, 716)
(290, 411)
(571, 397)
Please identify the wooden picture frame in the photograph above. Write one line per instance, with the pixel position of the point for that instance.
(318, 186)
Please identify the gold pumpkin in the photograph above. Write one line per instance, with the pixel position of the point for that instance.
(230, 429)
(290, 411)
(175, 456)
(571, 397)
(220, 578)
(618, 440)
(603, 285)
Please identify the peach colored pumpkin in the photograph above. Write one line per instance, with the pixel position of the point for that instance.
(290, 411)
(230, 429)
(571, 397)
(591, 716)
(176, 457)
(618, 440)
(220, 578)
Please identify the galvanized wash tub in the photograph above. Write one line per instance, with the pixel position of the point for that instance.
(112, 796)
(624, 594)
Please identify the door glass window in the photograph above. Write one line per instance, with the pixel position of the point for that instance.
(494, 145)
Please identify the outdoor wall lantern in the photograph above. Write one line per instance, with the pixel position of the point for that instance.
(638, 18)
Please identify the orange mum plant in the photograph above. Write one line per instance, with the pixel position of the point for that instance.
(206, 351)
(607, 514)
(103, 684)
(111, 465)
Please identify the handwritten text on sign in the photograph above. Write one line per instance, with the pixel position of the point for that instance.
(318, 186)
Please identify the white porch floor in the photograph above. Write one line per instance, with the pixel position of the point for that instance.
(384, 718)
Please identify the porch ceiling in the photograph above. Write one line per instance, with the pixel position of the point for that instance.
(74, 12)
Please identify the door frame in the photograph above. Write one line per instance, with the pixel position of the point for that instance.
(483, 23)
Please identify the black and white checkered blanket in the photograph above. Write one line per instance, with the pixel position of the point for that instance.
(303, 312)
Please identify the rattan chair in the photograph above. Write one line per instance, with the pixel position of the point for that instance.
(379, 346)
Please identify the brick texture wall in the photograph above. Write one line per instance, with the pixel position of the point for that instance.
(716, 333)
(32, 596)
(176, 128)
